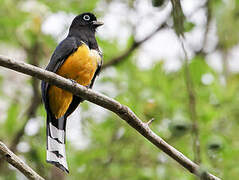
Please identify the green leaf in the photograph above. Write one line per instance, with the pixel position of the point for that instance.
(11, 120)
(188, 26)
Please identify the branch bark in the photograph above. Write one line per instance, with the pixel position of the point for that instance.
(122, 111)
(133, 47)
(12, 159)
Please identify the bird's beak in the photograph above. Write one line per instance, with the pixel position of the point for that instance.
(97, 23)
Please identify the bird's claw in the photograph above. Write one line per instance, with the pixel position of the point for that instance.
(73, 81)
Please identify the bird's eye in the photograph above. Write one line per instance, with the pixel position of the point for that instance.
(86, 17)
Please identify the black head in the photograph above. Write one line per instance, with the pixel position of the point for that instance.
(85, 20)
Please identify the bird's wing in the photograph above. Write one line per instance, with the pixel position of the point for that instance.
(62, 51)
(97, 72)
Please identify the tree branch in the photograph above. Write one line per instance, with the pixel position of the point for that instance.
(122, 111)
(179, 20)
(12, 159)
(208, 8)
(133, 47)
(192, 108)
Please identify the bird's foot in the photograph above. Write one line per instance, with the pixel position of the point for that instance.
(73, 81)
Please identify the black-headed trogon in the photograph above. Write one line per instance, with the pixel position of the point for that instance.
(77, 58)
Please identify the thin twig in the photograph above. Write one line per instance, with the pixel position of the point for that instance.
(133, 47)
(192, 108)
(150, 121)
(122, 111)
(225, 65)
(15, 161)
(209, 18)
(207, 5)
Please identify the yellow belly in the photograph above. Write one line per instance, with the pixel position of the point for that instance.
(81, 67)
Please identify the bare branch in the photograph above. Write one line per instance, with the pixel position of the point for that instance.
(133, 47)
(225, 65)
(202, 50)
(150, 121)
(12, 159)
(192, 108)
(122, 111)
(209, 19)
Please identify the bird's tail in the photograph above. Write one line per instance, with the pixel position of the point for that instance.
(56, 154)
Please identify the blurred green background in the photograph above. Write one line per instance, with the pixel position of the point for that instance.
(151, 81)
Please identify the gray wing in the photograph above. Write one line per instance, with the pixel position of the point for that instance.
(62, 51)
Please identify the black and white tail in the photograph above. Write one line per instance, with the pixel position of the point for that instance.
(56, 154)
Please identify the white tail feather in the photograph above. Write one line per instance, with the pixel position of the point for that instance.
(56, 148)
(57, 133)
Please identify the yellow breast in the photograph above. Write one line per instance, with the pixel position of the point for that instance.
(81, 67)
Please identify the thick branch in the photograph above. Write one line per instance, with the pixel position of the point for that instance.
(122, 111)
(133, 47)
(12, 159)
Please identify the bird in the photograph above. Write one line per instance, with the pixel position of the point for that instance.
(79, 59)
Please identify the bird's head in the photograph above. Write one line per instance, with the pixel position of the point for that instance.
(85, 21)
